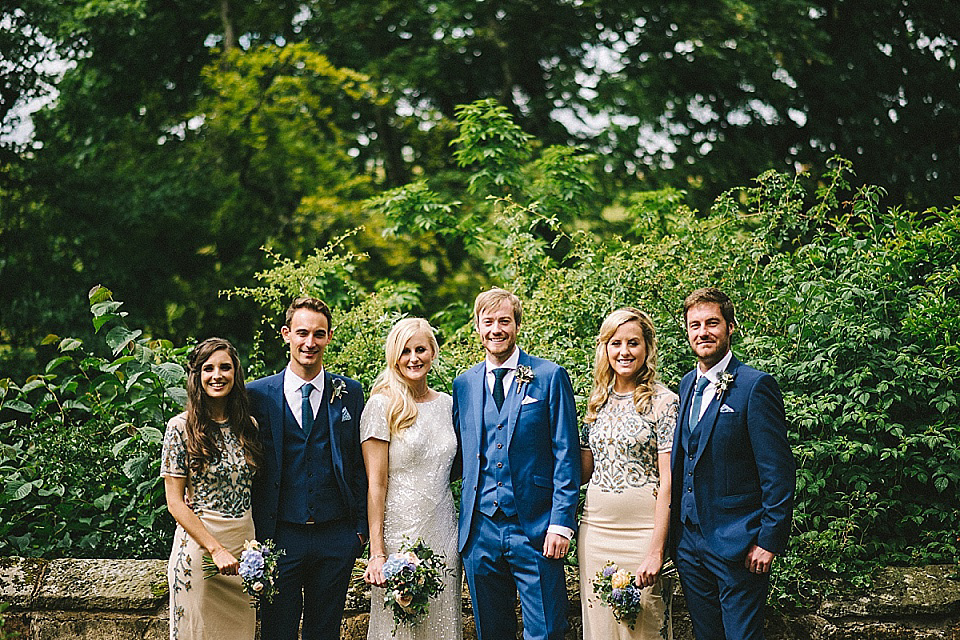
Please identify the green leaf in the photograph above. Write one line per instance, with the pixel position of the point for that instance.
(18, 489)
(135, 467)
(99, 294)
(56, 362)
(103, 502)
(17, 405)
(151, 435)
(118, 447)
(170, 372)
(120, 337)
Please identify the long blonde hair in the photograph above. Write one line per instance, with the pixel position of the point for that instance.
(401, 407)
(603, 373)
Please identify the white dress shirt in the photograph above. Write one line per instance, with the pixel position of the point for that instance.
(291, 391)
(511, 365)
(711, 389)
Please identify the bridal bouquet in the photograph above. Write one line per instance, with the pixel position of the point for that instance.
(258, 570)
(413, 575)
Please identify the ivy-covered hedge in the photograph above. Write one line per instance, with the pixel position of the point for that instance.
(852, 307)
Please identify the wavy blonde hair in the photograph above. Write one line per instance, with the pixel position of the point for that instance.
(401, 407)
(603, 373)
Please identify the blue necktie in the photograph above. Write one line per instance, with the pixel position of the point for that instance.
(498, 386)
(697, 401)
(306, 411)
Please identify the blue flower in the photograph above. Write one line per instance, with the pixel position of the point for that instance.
(609, 570)
(251, 565)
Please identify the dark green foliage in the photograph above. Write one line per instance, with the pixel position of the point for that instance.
(80, 446)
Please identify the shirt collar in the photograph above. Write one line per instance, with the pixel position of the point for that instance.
(714, 371)
(512, 362)
(293, 382)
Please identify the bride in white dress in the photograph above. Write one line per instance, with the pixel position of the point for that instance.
(408, 447)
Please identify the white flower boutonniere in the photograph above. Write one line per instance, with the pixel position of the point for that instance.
(724, 380)
(337, 389)
(524, 376)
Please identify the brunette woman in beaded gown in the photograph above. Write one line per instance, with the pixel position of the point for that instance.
(210, 453)
(408, 448)
(625, 455)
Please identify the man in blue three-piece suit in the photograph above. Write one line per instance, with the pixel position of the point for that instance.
(733, 478)
(310, 496)
(516, 423)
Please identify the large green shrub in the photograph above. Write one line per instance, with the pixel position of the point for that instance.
(80, 445)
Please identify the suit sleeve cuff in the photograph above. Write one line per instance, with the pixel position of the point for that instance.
(566, 532)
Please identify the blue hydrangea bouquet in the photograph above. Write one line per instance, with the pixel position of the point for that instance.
(258, 570)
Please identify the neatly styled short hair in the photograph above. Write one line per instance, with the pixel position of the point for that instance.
(710, 295)
(493, 298)
(314, 304)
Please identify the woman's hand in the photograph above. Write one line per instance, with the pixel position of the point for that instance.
(374, 573)
(648, 571)
(226, 563)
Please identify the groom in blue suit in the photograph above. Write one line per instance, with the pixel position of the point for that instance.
(516, 423)
(733, 478)
(310, 495)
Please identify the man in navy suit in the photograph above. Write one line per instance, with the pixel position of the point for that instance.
(733, 478)
(516, 422)
(310, 496)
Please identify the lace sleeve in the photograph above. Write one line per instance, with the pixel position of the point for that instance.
(173, 455)
(666, 423)
(373, 421)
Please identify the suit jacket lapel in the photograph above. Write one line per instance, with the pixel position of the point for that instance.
(478, 383)
(334, 408)
(277, 415)
(515, 401)
(709, 420)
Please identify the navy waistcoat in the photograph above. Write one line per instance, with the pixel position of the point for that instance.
(308, 488)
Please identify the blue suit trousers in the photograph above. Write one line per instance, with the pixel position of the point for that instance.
(499, 561)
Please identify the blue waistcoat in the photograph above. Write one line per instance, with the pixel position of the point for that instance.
(496, 487)
(308, 488)
(688, 500)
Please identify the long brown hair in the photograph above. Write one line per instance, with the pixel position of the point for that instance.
(203, 433)
(603, 373)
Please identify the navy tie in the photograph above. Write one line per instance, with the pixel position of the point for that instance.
(697, 401)
(498, 386)
(306, 411)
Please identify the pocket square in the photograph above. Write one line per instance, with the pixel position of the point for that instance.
(726, 409)
(345, 416)
(529, 400)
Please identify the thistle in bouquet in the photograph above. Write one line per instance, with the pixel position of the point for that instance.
(616, 589)
(413, 576)
(258, 570)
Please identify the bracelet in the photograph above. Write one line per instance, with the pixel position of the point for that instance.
(378, 555)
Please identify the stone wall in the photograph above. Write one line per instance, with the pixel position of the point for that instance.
(127, 600)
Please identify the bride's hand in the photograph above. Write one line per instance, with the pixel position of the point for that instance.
(226, 563)
(374, 573)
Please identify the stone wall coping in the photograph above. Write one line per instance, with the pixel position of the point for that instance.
(141, 586)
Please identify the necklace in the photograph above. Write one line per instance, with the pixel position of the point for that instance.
(420, 396)
(617, 394)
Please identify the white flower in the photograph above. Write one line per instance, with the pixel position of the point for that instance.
(524, 376)
(337, 388)
(724, 380)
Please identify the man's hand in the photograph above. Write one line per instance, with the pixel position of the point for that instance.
(758, 559)
(555, 546)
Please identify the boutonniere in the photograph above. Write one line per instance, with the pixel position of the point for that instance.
(337, 388)
(524, 376)
(724, 380)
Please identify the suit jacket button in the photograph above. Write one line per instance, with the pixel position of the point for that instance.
(499, 465)
(478, 457)
(691, 456)
(689, 489)
(499, 446)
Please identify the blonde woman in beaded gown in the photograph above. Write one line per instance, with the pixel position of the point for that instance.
(625, 455)
(408, 448)
(210, 454)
